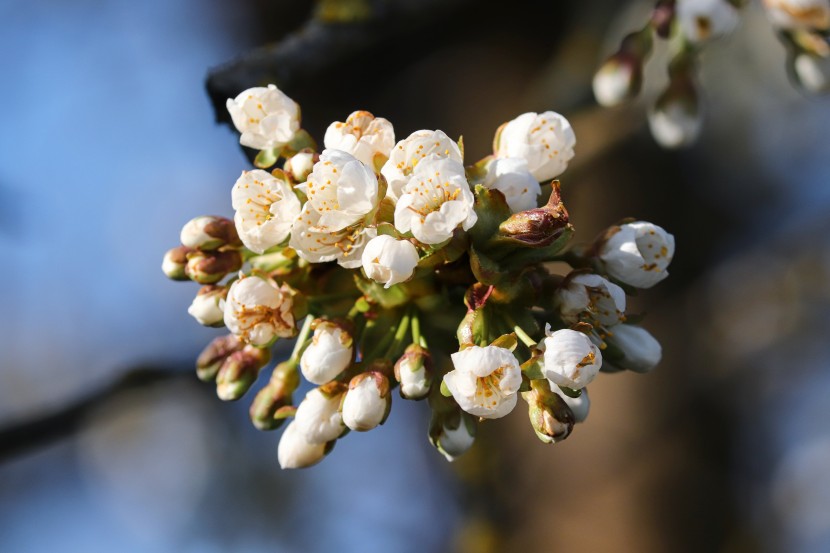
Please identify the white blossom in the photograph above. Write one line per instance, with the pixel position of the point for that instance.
(208, 306)
(318, 244)
(616, 81)
(413, 372)
(329, 353)
(300, 165)
(544, 140)
(258, 311)
(510, 176)
(368, 138)
(453, 442)
(675, 124)
(195, 234)
(638, 254)
(591, 298)
(484, 381)
(318, 416)
(367, 402)
(813, 73)
(435, 201)
(642, 352)
(266, 208)
(389, 261)
(570, 358)
(579, 405)
(703, 20)
(341, 189)
(295, 452)
(408, 153)
(799, 14)
(265, 116)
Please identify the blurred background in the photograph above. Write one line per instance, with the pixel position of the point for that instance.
(109, 144)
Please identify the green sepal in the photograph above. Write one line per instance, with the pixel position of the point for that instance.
(388, 298)
(491, 208)
(301, 141)
(506, 341)
(267, 158)
(474, 328)
(444, 390)
(485, 269)
(570, 392)
(532, 368)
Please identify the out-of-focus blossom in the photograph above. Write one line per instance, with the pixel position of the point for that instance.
(208, 233)
(812, 73)
(294, 452)
(799, 14)
(579, 405)
(642, 352)
(703, 20)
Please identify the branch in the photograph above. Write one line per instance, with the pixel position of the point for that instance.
(18, 438)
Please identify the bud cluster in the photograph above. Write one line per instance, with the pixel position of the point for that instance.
(372, 251)
(675, 116)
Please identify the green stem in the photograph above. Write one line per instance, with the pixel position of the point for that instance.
(520, 332)
(302, 338)
(400, 334)
(416, 329)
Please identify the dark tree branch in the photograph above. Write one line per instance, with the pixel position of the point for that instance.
(18, 438)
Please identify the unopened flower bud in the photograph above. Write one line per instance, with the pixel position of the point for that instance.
(367, 402)
(641, 351)
(239, 371)
(539, 227)
(300, 165)
(294, 452)
(174, 263)
(414, 371)
(579, 405)
(207, 306)
(570, 358)
(675, 119)
(619, 79)
(550, 416)
(259, 311)
(637, 253)
(318, 416)
(209, 232)
(389, 261)
(212, 357)
(329, 353)
(812, 73)
(211, 267)
(452, 434)
(275, 396)
(592, 299)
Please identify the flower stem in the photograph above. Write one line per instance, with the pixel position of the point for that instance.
(400, 334)
(520, 332)
(302, 338)
(417, 337)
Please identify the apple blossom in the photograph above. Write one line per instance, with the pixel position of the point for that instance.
(702, 20)
(570, 358)
(544, 140)
(590, 298)
(259, 311)
(367, 402)
(341, 189)
(484, 380)
(329, 353)
(265, 116)
(295, 452)
(435, 201)
(318, 416)
(409, 152)
(389, 261)
(510, 176)
(368, 138)
(641, 351)
(637, 254)
(266, 207)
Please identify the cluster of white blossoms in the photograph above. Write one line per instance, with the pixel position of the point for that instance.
(675, 116)
(397, 264)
